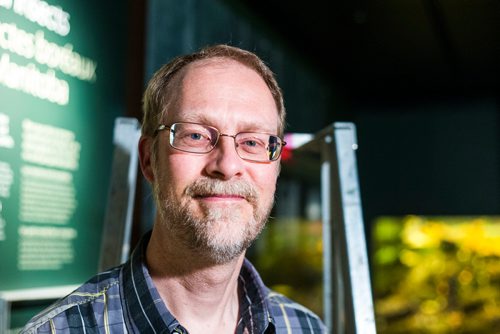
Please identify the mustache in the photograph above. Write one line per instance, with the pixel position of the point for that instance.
(206, 187)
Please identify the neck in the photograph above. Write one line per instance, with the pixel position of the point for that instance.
(203, 298)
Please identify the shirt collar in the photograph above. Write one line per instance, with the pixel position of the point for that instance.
(254, 309)
(145, 311)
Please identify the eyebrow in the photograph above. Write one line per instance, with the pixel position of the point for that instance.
(245, 125)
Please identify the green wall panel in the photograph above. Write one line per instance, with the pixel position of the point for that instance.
(60, 90)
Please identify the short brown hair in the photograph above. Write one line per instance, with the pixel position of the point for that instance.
(158, 96)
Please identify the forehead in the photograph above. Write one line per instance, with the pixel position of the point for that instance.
(224, 92)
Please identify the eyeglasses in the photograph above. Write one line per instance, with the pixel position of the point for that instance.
(199, 138)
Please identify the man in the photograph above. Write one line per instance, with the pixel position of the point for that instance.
(210, 147)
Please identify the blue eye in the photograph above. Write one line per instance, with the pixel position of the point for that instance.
(195, 136)
(251, 143)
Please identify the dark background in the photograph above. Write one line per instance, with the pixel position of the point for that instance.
(412, 48)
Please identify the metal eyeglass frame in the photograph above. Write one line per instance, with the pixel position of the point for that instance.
(281, 143)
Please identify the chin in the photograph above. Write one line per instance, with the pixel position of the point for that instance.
(225, 240)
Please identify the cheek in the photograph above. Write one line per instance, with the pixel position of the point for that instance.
(265, 180)
(180, 170)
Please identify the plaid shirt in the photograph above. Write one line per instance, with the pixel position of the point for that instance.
(125, 300)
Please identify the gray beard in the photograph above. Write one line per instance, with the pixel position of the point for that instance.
(219, 234)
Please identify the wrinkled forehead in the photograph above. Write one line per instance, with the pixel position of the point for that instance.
(222, 88)
(174, 90)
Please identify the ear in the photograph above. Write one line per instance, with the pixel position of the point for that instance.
(145, 147)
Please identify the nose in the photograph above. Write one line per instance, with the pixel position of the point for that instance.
(224, 162)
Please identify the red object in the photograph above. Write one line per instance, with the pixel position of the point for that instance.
(286, 154)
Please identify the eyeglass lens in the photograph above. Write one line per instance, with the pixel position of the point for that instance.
(197, 138)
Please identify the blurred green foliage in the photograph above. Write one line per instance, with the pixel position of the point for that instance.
(436, 274)
(289, 257)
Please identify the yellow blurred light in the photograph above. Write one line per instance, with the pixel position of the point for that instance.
(465, 277)
(455, 319)
(463, 255)
(409, 258)
(430, 306)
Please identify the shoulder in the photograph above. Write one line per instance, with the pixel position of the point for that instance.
(291, 316)
(89, 301)
(288, 316)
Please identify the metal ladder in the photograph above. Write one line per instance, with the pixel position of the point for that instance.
(348, 302)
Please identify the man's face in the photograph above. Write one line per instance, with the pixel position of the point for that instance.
(216, 203)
